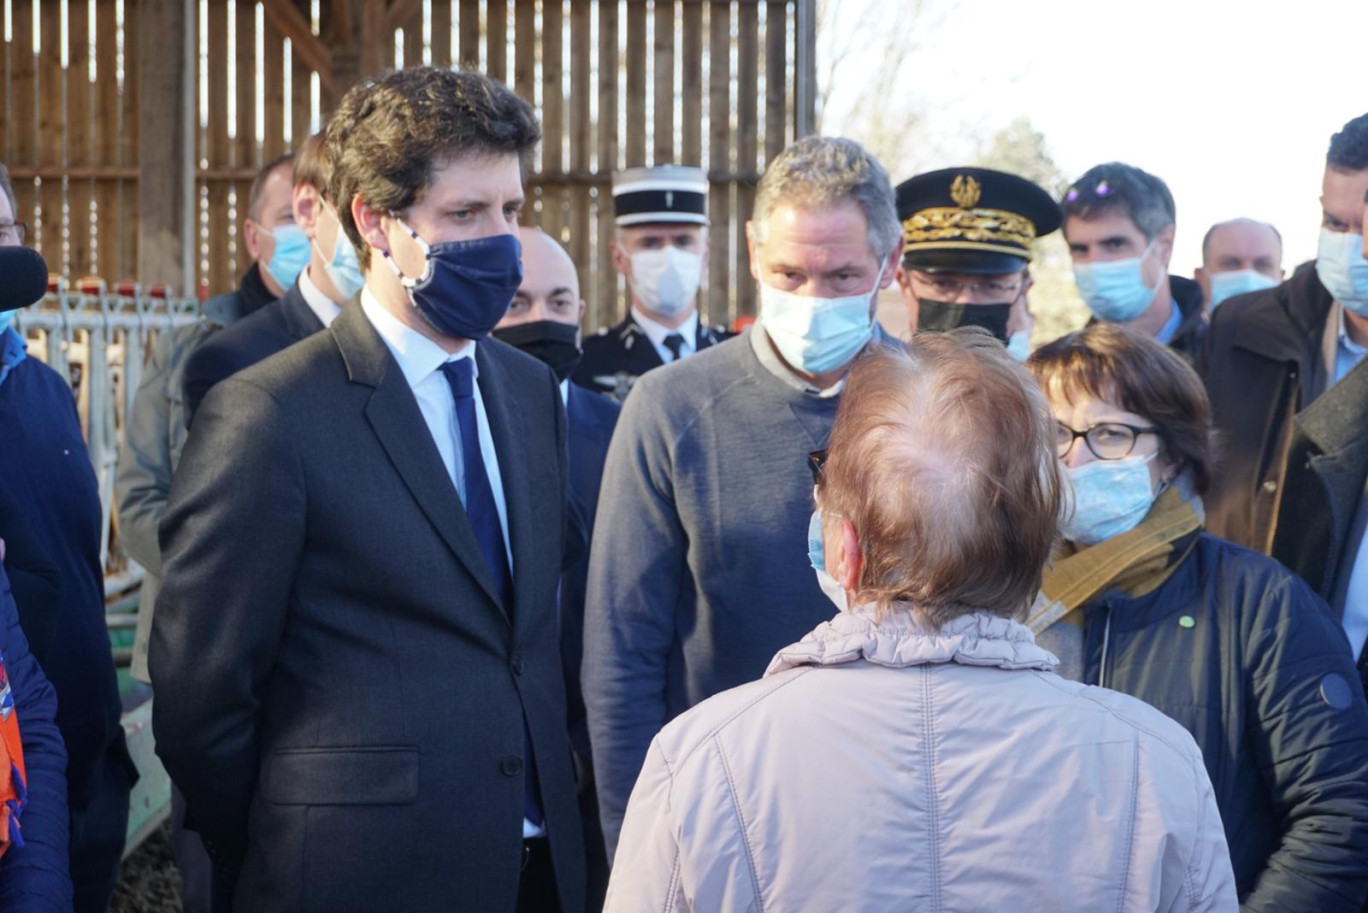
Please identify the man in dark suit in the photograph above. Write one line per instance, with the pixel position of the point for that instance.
(359, 685)
(660, 245)
(309, 305)
(544, 322)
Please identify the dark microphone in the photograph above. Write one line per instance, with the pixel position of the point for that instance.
(23, 277)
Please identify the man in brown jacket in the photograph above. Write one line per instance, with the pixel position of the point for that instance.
(1289, 396)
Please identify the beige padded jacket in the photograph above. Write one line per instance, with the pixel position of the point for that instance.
(879, 767)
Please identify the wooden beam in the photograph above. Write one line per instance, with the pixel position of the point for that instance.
(374, 37)
(401, 13)
(337, 28)
(306, 46)
(163, 181)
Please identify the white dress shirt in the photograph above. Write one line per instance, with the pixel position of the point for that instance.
(324, 308)
(656, 332)
(421, 359)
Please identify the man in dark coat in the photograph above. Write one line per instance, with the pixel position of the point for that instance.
(49, 481)
(1119, 223)
(1289, 397)
(358, 675)
(968, 238)
(660, 245)
(310, 304)
(544, 322)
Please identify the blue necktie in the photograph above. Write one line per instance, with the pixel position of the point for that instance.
(484, 517)
(478, 495)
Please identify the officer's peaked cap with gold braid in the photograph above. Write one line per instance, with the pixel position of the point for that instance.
(973, 220)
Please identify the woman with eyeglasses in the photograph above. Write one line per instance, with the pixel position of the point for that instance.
(1225, 641)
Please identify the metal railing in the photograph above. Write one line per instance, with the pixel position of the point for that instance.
(98, 339)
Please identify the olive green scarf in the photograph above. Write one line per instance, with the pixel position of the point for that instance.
(1134, 563)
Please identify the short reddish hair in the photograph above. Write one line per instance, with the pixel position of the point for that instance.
(943, 460)
(1139, 374)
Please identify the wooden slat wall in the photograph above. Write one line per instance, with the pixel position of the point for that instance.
(618, 83)
(62, 135)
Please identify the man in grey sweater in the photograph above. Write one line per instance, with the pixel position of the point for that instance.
(699, 568)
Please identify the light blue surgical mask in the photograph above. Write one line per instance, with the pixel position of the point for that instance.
(1342, 269)
(291, 255)
(817, 558)
(1110, 497)
(1115, 290)
(816, 335)
(343, 269)
(1237, 282)
(1019, 345)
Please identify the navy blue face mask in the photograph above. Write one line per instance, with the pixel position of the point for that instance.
(467, 286)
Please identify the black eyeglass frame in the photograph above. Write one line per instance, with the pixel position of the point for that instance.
(1135, 431)
(816, 460)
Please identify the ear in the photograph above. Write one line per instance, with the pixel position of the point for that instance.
(1027, 283)
(904, 277)
(369, 224)
(251, 238)
(848, 559)
(305, 204)
(1165, 246)
(1199, 276)
(622, 261)
(891, 267)
(579, 315)
(751, 249)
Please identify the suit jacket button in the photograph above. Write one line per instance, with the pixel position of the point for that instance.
(511, 765)
(515, 663)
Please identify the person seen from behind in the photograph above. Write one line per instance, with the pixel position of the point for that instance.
(917, 751)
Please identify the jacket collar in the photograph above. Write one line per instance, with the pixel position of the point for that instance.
(1280, 323)
(1334, 422)
(1187, 295)
(300, 319)
(976, 639)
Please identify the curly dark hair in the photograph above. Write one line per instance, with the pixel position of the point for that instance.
(387, 136)
(1349, 147)
(1118, 187)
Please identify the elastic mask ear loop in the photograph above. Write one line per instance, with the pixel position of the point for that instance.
(406, 281)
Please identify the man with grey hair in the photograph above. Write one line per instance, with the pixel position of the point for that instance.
(697, 573)
(1119, 223)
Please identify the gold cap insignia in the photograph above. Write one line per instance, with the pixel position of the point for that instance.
(965, 191)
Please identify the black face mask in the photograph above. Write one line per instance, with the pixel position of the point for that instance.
(547, 341)
(940, 316)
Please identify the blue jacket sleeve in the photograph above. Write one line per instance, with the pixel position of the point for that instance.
(34, 877)
(1309, 734)
(34, 580)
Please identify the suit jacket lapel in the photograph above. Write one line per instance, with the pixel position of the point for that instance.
(1334, 427)
(505, 428)
(394, 415)
(300, 320)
